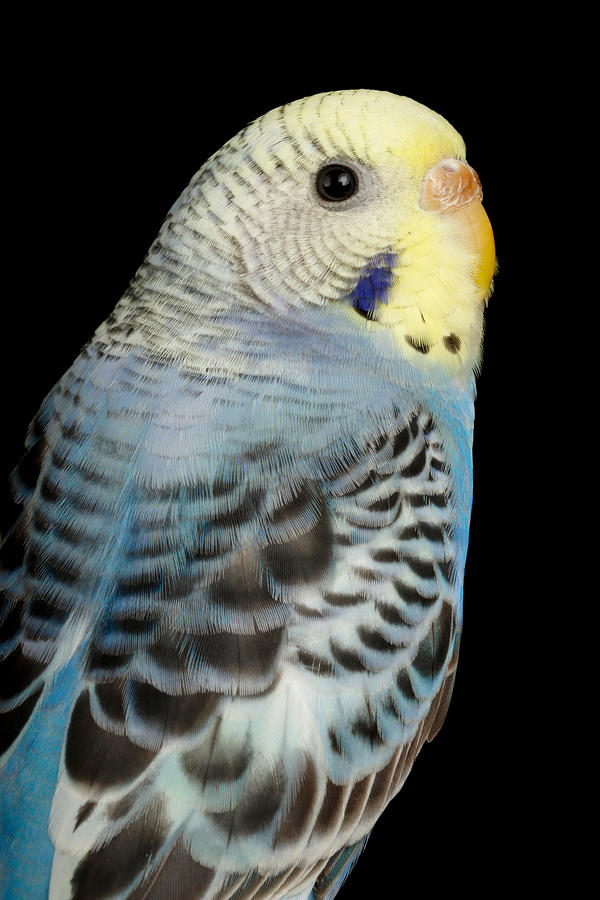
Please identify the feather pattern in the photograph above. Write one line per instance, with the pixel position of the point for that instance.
(231, 601)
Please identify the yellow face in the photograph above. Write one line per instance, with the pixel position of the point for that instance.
(415, 204)
(417, 199)
(444, 278)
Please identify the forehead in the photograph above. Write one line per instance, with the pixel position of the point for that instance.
(376, 127)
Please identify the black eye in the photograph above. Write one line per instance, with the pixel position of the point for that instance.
(336, 182)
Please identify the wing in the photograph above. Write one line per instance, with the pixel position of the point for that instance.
(261, 642)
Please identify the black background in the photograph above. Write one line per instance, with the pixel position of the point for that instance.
(105, 136)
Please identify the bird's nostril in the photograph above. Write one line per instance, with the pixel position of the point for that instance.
(451, 165)
(449, 185)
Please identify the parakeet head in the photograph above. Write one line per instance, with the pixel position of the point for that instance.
(354, 205)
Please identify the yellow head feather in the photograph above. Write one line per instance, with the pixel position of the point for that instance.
(435, 303)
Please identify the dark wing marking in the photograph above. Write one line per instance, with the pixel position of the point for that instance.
(194, 623)
(189, 619)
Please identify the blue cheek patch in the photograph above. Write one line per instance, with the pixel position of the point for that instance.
(374, 283)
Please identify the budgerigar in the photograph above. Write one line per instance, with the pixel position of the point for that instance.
(231, 598)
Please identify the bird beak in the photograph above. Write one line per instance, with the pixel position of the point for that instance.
(452, 189)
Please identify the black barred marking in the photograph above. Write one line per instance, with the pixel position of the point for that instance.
(369, 480)
(17, 673)
(298, 816)
(246, 510)
(421, 567)
(389, 706)
(386, 504)
(305, 558)
(13, 722)
(72, 432)
(410, 533)
(418, 344)
(70, 534)
(185, 493)
(106, 666)
(111, 868)
(365, 574)
(416, 466)
(433, 533)
(349, 659)
(90, 502)
(366, 728)
(411, 595)
(261, 450)
(452, 342)
(130, 627)
(180, 877)
(387, 555)
(97, 758)
(50, 491)
(317, 664)
(41, 521)
(433, 649)
(84, 813)
(334, 742)
(40, 607)
(332, 807)
(46, 564)
(170, 716)
(139, 585)
(240, 590)
(110, 698)
(260, 805)
(417, 501)
(213, 762)
(380, 443)
(300, 508)
(124, 806)
(400, 442)
(405, 686)
(151, 546)
(308, 611)
(439, 500)
(223, 485)
(360, 523)
(92, 476)
(390, 613)
(344, 599)
(234, 656)
(374, 640)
